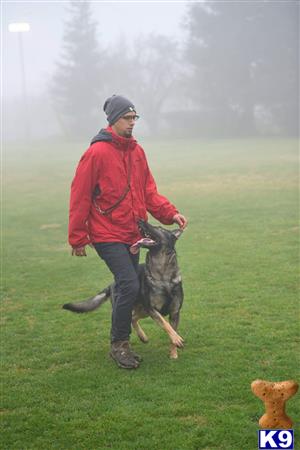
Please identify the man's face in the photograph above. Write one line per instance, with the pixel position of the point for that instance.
(124, 125)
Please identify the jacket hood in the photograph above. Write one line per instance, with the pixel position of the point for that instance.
(102, 136)
(108, 135)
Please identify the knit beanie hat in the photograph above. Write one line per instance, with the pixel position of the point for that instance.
(116, 106)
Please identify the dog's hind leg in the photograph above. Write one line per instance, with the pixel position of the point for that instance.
(161, 321)
(174, 321)
(136, 316)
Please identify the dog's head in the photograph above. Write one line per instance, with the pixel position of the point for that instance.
(155, 238)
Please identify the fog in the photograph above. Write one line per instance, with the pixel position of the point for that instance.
(201, 69)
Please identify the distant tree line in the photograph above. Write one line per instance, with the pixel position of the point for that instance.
(236, 74)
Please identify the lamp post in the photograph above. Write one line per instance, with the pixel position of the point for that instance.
(20, 28)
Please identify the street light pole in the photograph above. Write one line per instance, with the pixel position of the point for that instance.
(20, 28)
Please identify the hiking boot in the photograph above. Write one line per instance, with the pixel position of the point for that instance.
(136, 356)
(124, 357)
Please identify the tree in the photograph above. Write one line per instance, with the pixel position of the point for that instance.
(243, 55)
(158, 68)
(77, 82)
(147, 73)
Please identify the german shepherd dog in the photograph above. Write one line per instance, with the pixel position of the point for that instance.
(160, 291)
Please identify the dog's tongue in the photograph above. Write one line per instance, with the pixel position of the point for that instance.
(134, 249)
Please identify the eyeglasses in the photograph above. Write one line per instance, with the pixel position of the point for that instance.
(129, 118)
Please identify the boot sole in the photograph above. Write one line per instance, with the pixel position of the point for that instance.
(138, 358)
(123, 366)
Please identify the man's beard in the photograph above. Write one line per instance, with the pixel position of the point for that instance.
(128, 133)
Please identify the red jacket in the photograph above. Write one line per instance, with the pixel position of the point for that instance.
(105, 165)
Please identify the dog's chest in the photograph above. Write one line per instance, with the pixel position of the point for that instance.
(162, 292)
(165, 285)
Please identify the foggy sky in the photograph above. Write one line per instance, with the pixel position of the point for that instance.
(42, 44)
(231, 70)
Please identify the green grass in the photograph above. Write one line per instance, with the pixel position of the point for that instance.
(240, 318)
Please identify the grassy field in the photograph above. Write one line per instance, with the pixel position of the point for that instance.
(240, 318)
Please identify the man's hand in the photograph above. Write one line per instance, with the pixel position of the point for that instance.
(79, 251)
(181, 220)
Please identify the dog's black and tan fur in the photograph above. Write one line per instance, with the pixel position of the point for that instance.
(160, 291)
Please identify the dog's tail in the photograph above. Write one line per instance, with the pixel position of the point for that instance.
(91, 303)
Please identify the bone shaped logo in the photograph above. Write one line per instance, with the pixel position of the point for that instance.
(274, 396)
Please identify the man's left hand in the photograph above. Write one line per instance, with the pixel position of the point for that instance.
(181, 220)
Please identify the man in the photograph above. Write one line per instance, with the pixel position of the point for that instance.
(113, 188)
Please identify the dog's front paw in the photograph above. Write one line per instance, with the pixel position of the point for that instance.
(144, 338)
(177, 340)
(173, 352)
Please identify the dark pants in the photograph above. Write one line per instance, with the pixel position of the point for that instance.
(124, 267)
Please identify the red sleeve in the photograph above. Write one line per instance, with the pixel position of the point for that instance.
(158, 205)
(82, 188)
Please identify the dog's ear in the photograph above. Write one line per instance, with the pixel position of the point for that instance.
(177, 233)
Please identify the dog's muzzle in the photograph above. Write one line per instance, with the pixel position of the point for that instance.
(144, 242)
